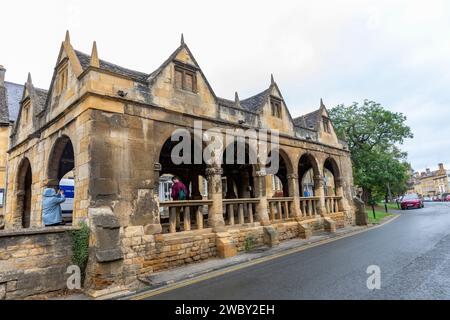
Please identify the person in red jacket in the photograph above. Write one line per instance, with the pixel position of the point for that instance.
(179, 190)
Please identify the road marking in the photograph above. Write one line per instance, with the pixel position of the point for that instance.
(214, 274)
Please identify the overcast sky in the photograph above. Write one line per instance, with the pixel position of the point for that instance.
(394, 52)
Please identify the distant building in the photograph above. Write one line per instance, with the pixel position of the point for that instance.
(431, 183)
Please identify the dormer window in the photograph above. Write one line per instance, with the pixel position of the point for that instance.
(25, 112)
(185, 78)
(326, 124)
(63, 74)
(275, 105)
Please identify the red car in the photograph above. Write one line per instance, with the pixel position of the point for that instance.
(411, 200)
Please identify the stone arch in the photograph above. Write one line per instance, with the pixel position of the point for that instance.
(330, 165)
(23, 194)
(239, 175)
(61, 160)
(282, 170)
(308, 168)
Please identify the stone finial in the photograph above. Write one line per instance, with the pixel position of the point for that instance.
(29, 81)
(2, 75)
(95, 62)
(182, 39)
(272, 81)
(67, 39)
(321, 103)
(236, 98)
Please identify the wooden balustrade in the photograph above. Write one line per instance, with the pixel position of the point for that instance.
(239, 210)
(308, 206)
(181, 212)
(279, 208)
(332, 204)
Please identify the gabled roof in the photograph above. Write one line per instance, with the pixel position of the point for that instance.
(37, 96)
(152, 77)
(85, 60)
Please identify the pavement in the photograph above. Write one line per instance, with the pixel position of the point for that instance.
(412, 253)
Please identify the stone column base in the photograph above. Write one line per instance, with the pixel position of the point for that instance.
(329, 224)
(225, 245)
(270, 236)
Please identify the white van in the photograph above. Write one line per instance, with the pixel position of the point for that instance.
(67, 206)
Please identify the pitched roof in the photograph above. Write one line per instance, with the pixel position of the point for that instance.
(14, 94)
(85, 61)
(308, 121)
(255, 102)
(40, 99)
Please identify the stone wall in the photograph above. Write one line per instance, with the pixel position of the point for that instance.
(239, 236)
(145, 254)
(287, 230)
(34, 261)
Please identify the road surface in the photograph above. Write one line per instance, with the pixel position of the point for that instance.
(412, 252)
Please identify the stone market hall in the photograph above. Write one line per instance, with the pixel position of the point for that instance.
(110, 128)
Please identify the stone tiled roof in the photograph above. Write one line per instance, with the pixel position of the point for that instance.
(255, 102)
(308, 121)
(85, 60)
(14, 94)
(40, 99)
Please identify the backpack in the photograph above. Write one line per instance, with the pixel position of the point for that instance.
(181, 194)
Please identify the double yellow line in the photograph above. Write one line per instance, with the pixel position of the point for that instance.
(213, 274)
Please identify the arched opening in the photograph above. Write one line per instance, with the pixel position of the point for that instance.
(24, 193)
(331, 177)
(279, 172)
(61, 174)
(307, 171)
(237, 177)
(181, 162)
(332, 186)
(238, 185)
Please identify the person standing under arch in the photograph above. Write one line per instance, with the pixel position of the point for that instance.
(51, 207)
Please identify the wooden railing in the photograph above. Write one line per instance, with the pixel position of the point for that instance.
(332, 204)
(279, 208)
(181, 212)
(309, 205)
(239, 211)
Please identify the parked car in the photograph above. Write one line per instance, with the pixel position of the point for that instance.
(447, 198)
(67, 206)
(437, 198)
(427, 199)
(411, 200)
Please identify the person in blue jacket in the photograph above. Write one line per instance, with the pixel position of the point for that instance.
(51, 207)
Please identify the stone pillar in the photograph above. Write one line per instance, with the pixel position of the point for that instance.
(319, 192)
(224, 243)
(270, 233)
(215, 212)
(260, 192)
(294, 191)
(153, 226)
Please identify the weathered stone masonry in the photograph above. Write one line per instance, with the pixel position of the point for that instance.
(112, 126)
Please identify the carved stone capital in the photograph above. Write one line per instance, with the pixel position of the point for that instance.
(292, 176)
(214, 170)
(157, 166)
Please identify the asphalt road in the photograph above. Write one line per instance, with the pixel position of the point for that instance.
(412, 252)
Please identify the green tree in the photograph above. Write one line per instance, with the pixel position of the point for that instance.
(373, 135)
